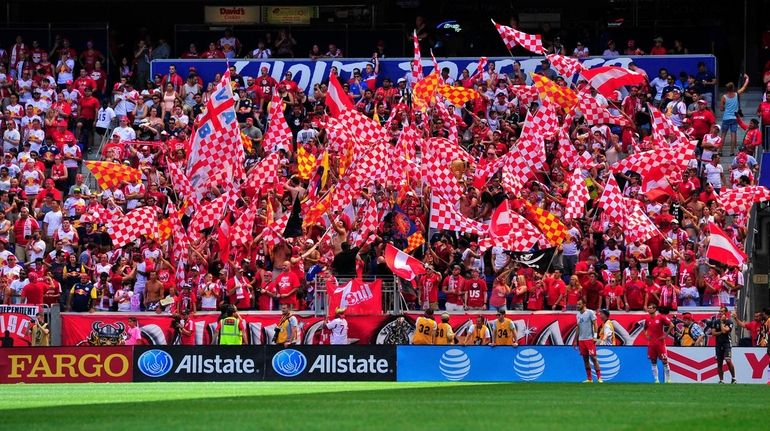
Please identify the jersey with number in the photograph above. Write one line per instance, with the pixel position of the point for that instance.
(477, 292)
(504, 332)
(444, 334)
(424, 331)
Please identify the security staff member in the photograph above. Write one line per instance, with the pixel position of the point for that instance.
(231, 329)
(425, 329)
(504, 331)
(444, 333)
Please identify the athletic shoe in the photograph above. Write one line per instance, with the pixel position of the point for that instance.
(721, 382)
(588, 381)
(733, 381)
(600, 381)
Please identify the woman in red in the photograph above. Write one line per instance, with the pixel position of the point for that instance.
(574, 293)
(499, 294)
(614, 294)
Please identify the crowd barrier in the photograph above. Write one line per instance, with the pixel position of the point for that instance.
(306, 72)
(361, 363)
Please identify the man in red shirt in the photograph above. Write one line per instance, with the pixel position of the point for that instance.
(84, 81)
(754, 327)
(90, 56)
(23, 229)
(593, 292)
(656, 328)
(33, 292)
(174, 78)
(476, 288)
(652, 290)
(454, 287)
(702, 120)
(556, 290)
(264, 91)
(87, 109)
(186, 329)
(288, 285)
(429, 284)
(635, 291)
(763, 111)
(584, 269)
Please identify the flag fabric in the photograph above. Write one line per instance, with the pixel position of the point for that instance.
(511, 182)
(565, 66)
(241, 230)
(612, 202)
(662, 128)
(109, 174)
(138, 222)
(336, 99)
(369, 223)
(402, 264)
(480, 68)
(552, 228)
(606, 79)
(181, 182)
(457, 96)
(637, 225)
(305, 163)
(355, 297)
(325, 165)
(263, 172)
(447, 150)
(165, 230)
(512, 37)
(223, 241)
(406, 229)
(528, 152)
(655, 185)
(510, 231)
(567, 152)
(525, 93)
(443, 215)
(449, 120)
(559, 95)
(578, 197)
(213, 154)
(417, 62)
(208, 215)
(545, 123)
(278, 134)
(594, 113)
(424, 92)
(540, 260)
(740, 200)
(180, 249)
(722, 249)
(441, 180)
(362, 128)
(669, 160)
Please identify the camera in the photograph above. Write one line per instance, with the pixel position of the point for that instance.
(275, 335)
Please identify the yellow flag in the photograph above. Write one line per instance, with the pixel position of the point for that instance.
(325, 165)
(559, 95)
(305, 163)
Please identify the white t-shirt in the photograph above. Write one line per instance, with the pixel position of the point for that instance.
(713, 174)
(63, 77)
(339, 328)
(125, 133)
(104, 117)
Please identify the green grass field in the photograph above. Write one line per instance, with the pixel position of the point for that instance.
(383, 406)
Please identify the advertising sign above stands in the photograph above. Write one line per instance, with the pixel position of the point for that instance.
(309, 72)
(231, 15)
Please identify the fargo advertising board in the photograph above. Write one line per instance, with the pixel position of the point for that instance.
(66, 365)
(331, 363)
(198, 364)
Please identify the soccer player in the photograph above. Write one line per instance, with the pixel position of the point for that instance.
(656, 327)
(444, 333)
(478, 334)
(587, 329)
(722, 330)
(425, 329)
(504, 331)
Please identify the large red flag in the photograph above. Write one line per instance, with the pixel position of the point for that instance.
(336, 99)
(356, 297)
(723, 249)
(605, 79)
(223, 240)
(402, 264)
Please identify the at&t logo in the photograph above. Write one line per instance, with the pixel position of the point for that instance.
(609, 363)
(529, 365)
(155, 363)
(289, 362)
(454, 365)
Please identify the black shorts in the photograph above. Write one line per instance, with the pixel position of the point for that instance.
(724, 351)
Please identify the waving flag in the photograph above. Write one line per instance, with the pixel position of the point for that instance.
(425, 91)
(241, 230)
(544, 122)
(208, 215)
(213, 153)
(565, 66)
(457, 95)
(525, 93)
(554, 230)
(138, 222)
(559, 95)
(181, 182)
(655, 185)
(450, 122)
(369, 223)
(417, 62)
(740, 200)
(510, 231)
(594, 113)
(263, 172)
(336, 99)
(441, 180)
(612, 202)
(305, 163)
(355, 297)
(443, 215)
(109, 174)
(180, 249)
(578, 197)
(278, 133)
(637, 225)
(402, 264)
(606, 79)
(363, 129)
(405, 228)
(446, 150)
(480, 68)
(722, 249)
(512, 37)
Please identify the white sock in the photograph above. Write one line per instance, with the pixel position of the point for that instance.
(655, 372)
(667, 372)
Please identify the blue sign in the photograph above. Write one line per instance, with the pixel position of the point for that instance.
(289, 363)
(155, 363)
(307, 72)
(764, 173)
(520, 364)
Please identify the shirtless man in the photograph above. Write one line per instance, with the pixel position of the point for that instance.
(153, 292)
(468, 203)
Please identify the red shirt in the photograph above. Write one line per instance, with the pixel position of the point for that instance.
(287, 282)
(456, 287)
(702, 122)
(34, 292)
(241, 299)
(265, 301)
(429, 287)
(635, 294)
(554, 288)
(614, 295)
(23, 228)
(88, 107)
(764, 112)
(477, 292)
(593, 293)
(188, 340)
(651, 289)
(654, 327)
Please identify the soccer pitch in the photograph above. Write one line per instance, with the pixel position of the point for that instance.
(383, 406)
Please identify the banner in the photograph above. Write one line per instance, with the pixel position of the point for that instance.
(521, 364)
(698, 365)
(230, 15)
(534, 328)
(66, 365)
(307, 72)
(331, 363)
(356, 297)
(17, 319)
(198, 364)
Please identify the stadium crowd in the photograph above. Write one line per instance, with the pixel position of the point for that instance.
(58, 106)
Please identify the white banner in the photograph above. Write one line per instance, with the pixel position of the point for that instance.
(699, 365)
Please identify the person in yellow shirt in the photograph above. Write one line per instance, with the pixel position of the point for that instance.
(504, 331)
(444, 333)
(425, 329)
(607, 333)
(478, 334)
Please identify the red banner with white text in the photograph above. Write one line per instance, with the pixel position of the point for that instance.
(534, 328)
(17, 319)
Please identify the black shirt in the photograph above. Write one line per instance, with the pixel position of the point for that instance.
(724, 338)
(344, 262)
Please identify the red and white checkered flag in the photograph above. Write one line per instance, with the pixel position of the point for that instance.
(278, 133)
(208, 215)
(611, 201)
(594, 113)
(138, 222)
(241, 230)
(446, 150)
(512, 183)
(361, 127)
(565, 66)
(263, 172)
(417, 62)
(510, 231)
(441, 180)
(528, 153)
(449, 119)
(637, 225)
(369, 223)
(662, 128)
(480, 68)
(578, 197)
(567, 152)
(512, 37)
(545, 123)
(444, 216)
(525, 93)
(669, 160)
(181, 182)
(180, 249)
(740, 200)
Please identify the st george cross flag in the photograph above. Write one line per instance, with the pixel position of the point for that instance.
(611, 201)
(109, 174)
(722, 249)
(402, 264)
(336, 99)
(578, 197)
(565, 66)
(606, 79)
(740, 200)
(355, 297)
(512, 37)
(138, 222)
(212, 156)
